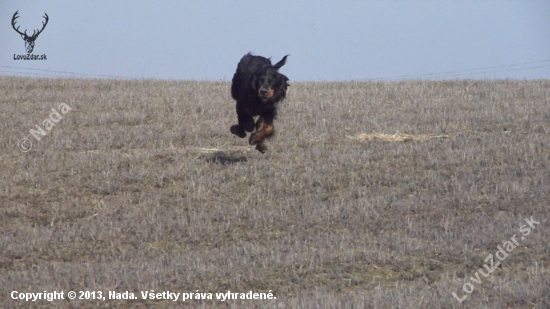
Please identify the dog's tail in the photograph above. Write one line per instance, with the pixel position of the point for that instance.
(279, 64)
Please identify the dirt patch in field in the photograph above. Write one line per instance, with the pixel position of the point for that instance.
(397, 137)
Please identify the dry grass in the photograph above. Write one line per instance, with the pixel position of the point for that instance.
(141, 186)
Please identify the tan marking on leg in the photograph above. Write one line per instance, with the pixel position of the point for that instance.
(261, 135)
(260, 124)
(268, 128)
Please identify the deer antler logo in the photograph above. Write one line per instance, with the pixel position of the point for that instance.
(29, 40)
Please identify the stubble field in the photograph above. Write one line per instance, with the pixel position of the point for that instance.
(371, 195)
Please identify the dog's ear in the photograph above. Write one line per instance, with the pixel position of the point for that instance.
(280, 89)
(279, 64)
(281, 81)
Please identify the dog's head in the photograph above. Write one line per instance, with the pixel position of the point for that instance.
(271, 85)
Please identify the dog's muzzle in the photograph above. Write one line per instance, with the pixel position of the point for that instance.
(266, 93)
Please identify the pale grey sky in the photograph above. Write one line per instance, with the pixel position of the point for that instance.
(326, 40)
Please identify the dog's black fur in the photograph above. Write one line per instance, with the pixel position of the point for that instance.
(257, 87)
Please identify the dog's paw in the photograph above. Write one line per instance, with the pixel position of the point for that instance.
(237, 130)
(261, 147)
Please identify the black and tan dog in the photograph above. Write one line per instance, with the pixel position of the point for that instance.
(257, 87)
